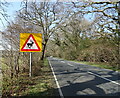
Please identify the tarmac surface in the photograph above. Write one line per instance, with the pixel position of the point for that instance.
(75, 79)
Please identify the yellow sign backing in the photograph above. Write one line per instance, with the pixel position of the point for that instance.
(30, 42)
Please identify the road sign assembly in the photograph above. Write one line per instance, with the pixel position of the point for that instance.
(30, 42)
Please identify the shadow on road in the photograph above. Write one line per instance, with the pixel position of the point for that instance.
(93, 87)
(88, 88)
(79, 90)
(75, 89)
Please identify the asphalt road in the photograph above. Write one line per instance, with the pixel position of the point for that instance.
(75, 79)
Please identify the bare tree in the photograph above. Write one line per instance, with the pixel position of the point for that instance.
(90, 39)
(106, 13)
(44, 16)
(105, 20)
(13, 58)
(3, 12)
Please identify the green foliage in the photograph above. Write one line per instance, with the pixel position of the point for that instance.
(12, 87)
(84, 47)
(46, 62)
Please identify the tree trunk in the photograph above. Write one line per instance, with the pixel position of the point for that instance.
(43, 51)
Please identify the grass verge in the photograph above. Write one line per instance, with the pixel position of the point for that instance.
(36, 86)
(43, 84)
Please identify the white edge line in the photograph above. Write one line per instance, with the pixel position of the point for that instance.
(104, 78)
(116, 71)
(58, 86)
(70, 64)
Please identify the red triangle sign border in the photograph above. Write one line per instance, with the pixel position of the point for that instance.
(22, 49)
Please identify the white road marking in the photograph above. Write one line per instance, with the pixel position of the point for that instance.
(104, 78)
(69, 64)
(63, 61)
(58, 86)
(89, 65)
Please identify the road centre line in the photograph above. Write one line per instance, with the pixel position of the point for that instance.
(58, 86)
(63, 61)
(104, 78)
(69, 64)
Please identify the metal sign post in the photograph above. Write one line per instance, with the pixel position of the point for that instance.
(30, 42)
(30, 70)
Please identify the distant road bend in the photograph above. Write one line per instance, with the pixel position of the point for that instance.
(75, 79)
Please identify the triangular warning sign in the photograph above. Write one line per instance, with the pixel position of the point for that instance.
(30, 44)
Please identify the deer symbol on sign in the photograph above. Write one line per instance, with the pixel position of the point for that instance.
(30, 44)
